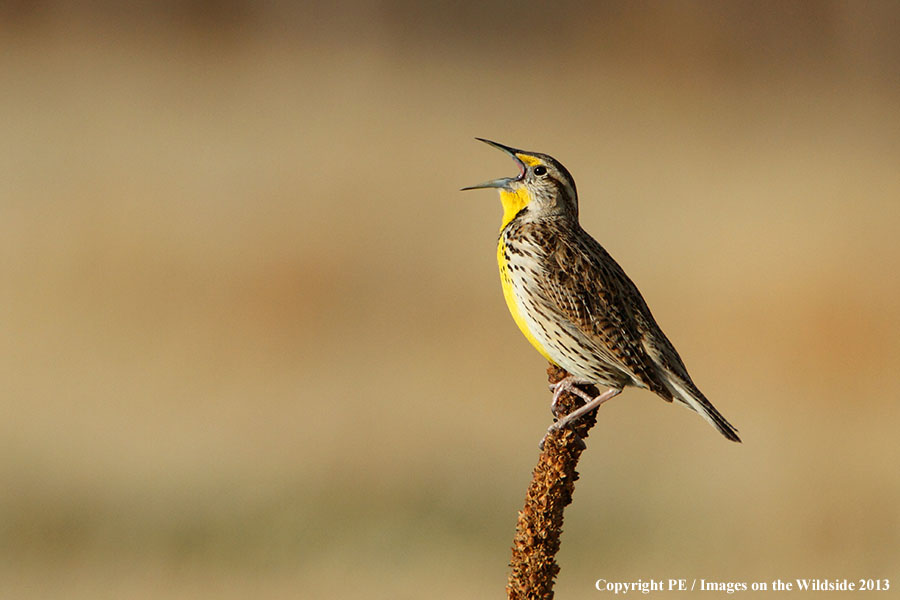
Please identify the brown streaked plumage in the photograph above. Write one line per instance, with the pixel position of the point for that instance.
(574, 303)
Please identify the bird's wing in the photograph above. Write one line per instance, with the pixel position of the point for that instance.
(592, 292)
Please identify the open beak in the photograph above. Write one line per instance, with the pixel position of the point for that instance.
(503, 182)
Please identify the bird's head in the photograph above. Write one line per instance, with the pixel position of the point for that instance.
(543, 187)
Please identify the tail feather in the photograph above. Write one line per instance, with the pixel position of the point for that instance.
(694, 399)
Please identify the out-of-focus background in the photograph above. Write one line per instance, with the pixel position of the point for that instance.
(252, 341)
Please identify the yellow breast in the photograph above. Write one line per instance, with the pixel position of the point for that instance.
(510, 294)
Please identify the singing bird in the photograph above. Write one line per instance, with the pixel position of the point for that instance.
(574, 303)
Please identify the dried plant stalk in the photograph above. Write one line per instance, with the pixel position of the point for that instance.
(533, 565)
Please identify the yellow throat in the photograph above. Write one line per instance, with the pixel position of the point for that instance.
(513, 202)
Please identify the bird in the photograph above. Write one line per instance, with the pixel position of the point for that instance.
(574, 303)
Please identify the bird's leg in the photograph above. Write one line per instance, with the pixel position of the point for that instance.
(592, 404)
(568, 384)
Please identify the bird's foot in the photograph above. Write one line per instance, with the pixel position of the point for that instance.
(591, 405)
(568, 384)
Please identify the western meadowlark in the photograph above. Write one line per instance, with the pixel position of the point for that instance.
(574, 303)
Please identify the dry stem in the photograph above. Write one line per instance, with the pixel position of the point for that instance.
(540, 522)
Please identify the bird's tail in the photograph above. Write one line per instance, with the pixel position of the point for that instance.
(688, 394)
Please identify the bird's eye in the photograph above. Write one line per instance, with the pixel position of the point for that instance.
(540, 171)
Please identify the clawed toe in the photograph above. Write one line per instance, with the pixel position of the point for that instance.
(578, 439)
(591, 404)
(569, 384)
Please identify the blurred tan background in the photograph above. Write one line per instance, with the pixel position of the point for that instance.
(252, 339)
